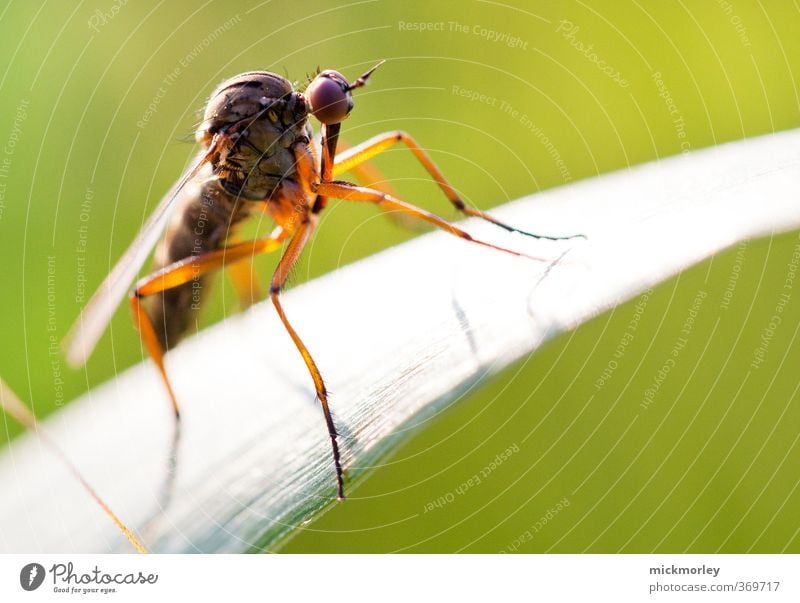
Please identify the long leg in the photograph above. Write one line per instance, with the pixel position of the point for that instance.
(243, 276)
(288, 260)
(349, 159)
(351, 192)
(173, 275)
(368, 174)
(365, 171)
(17, 409)
(179, 273)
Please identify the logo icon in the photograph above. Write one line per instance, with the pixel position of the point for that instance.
(31, 576)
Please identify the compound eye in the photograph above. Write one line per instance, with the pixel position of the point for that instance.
(329, 97)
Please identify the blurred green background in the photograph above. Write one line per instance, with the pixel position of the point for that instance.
(98, 101)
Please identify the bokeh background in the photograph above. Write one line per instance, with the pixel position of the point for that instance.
(98, 100)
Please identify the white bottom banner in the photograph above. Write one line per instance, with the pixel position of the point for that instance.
(356, 578)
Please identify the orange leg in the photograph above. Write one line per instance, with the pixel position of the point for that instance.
(243, 276)
(179, 273)
(288, 260)
(364, 170)
(351, 192)
(173, 275)
(368, 174)
(350, 158)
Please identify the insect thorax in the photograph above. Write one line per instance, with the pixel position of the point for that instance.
(263, 118)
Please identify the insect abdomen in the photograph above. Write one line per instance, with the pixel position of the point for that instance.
(201, 224)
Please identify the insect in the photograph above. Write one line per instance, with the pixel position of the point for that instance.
(258, 156)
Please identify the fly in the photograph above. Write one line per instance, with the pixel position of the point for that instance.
(257, 157)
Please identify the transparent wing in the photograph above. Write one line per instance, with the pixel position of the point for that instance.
(94, 318)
